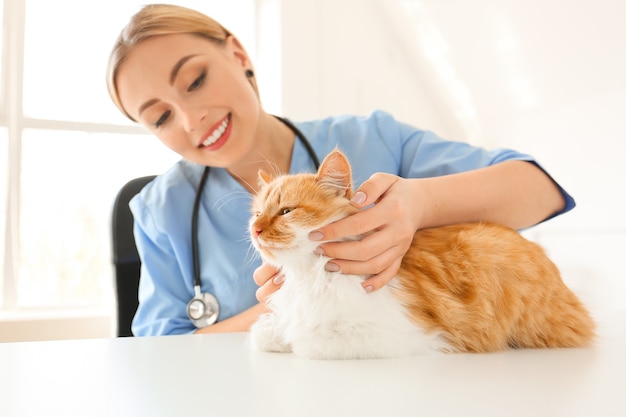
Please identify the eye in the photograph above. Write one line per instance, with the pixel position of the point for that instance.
(162, 119)
(285, 210)
(197, 83)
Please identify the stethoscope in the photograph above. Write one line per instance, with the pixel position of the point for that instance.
(204, 308)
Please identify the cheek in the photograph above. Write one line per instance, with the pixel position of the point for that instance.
(175, 140)
(239, 95)
(228, 85)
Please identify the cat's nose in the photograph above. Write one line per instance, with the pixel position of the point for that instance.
(257, 232)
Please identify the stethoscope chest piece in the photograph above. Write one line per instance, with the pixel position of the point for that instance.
(203, 309)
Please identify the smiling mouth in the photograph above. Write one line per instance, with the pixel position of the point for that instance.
(217, 133)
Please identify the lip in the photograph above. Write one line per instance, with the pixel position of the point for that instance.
(222, 140)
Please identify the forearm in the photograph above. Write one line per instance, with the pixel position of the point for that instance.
(514, 193)
(238, 323)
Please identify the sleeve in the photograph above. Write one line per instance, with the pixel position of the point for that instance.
(163, 295)
(423, 154)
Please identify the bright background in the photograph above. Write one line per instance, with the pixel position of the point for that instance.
(544, 77)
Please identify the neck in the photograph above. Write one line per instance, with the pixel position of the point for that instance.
(272, 153)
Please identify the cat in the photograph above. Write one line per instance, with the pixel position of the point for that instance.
(472, 287)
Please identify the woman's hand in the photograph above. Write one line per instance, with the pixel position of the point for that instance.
(517, 194)
(389, 224)
(269, 279)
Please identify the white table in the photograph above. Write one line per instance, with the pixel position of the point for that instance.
(217, 375)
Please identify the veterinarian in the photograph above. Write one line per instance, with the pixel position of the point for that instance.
(191, 83)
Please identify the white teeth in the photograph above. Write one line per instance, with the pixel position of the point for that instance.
(217, 133)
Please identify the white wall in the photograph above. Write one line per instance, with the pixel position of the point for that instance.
(544, 77)
(339, 57)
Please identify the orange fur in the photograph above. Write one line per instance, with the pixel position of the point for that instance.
(483, 286)
(487, 288)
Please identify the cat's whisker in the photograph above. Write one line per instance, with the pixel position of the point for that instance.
(245, 182)
(225, 199)
(252, 254)
(275, 170)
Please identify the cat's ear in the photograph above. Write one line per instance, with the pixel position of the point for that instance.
(264, 178)
(335, 172)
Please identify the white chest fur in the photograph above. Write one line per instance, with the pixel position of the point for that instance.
(323, 315)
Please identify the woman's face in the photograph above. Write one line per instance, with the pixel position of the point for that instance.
(193, 94)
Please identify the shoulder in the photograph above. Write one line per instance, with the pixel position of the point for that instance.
(171, 193)
(378, 131)
(377, 119)
(373, 142)
(179, 179)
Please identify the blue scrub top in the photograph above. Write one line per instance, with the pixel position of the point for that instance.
(162, 212)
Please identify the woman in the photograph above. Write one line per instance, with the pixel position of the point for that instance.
(191, 83)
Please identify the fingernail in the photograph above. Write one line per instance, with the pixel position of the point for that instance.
(368, 289)
(316, 235)
(358, 198)
(318, 251)
(331, 267)
(279, 279)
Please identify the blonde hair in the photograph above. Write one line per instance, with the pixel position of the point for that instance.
(160, 19)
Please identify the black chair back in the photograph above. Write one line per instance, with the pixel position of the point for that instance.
(125, 257)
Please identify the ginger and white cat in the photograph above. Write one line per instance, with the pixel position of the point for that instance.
(474, 287)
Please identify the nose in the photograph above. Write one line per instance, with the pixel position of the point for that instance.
(192, 117)
(257, 231)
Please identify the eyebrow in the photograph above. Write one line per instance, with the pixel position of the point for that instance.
(146, 105)
(178, 66)
(173, 76)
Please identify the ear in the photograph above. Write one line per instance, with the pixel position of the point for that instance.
(264, 178)
(335, 172)
(238, 51)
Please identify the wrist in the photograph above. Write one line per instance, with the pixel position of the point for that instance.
(424, 203)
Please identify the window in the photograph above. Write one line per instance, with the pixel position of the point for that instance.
(65, 150)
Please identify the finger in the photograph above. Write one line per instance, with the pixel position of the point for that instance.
(371, 190)
(270, 287)
(355, 225)
(378, 281)
(264, 273)
(372, 266)
(374, 244)
(355, 250)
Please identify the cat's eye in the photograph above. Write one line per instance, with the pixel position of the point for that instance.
(285, 210)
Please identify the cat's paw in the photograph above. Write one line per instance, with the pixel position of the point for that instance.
(264, 335)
